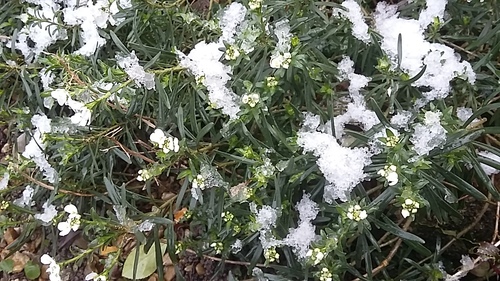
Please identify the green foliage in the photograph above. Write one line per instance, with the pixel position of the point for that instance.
(224, 165)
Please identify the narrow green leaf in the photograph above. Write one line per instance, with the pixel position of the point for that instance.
(393, 228)
(460, 183)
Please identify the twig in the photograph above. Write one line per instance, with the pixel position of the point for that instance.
(497, 217)
(131, 152)
(460, 234)
(50, 187)
(391, 254)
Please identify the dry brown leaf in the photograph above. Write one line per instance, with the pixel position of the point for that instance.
(153, 277)
(106, 250)
(179, 214)
(167, 260)
(10, 235)
(20, 261)
(169, 273)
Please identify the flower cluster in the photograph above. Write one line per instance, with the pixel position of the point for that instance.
(316, 255)
(409, 207)
(390, 173)
(73, 221)
(167, 144)
(82, 114)
(54, 270)
(356, 213)
(250, 99)
(325, 275)
(271, 255)
(218, 247)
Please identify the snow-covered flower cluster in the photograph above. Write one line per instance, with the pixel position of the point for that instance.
(49, 213)
(409, 207)
(390, 173)
(26, 198)
(346, 171)
(34, 149)
(54, 270)
(281, 57)
(301, 238)
(442, 62)
(72, 222)
(164, 142)
(429, 134)
(354, 14)
(45, 28)
(130, 63)
(355, 213)
(203, 62)
(82, 114)
(207, 178)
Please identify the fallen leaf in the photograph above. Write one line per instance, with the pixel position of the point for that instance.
(10, 235)
(146, 262)
(106, 250)
(20, 261)
(179, 214)
(169, 273)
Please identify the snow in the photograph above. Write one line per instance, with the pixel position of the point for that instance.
(130, 63)
(429, 134)
(488, 169)
(355, 16)
(443, 64)
(342, 167)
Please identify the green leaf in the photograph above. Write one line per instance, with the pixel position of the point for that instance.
(146, 264)
(460, 183)
(32, 270)
(7, 265)
(391, 227)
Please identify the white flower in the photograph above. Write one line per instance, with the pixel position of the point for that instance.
(95, 277)
(232, 53)
(254, 4)
(158, 137)
(281, 60)
(171, 144)
(316, 255)
(60, 95)
(325, 275)
(144, 175)
(250, 99)
(409, 207)
(53, 269)
(390, 174)
(73, 221)
(199, 182)
(356, 213)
